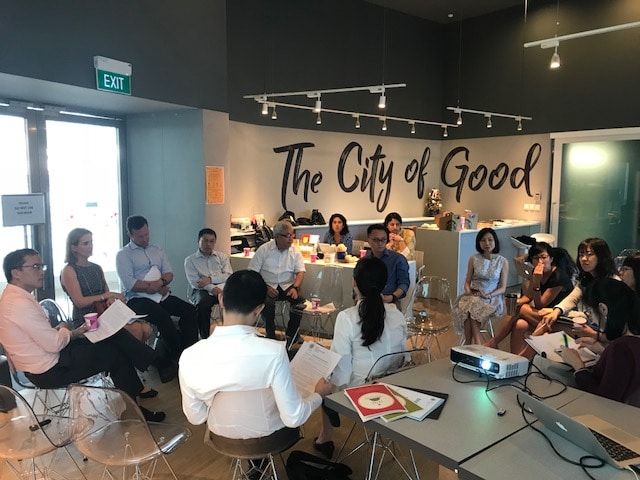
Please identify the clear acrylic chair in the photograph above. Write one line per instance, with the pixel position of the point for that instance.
(109, 428)
(54, 312)
(327, 287)
(26, 439)
(254, 457)
(431, 313)
(387, 364)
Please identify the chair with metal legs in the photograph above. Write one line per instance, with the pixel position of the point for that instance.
(27, 438)
(258, 453)
(385, 365)
(327, 288)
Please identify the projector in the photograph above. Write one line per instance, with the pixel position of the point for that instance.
(490, 361)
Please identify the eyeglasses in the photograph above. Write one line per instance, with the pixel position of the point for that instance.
(540, 257)
(377, 240)
(36, 266)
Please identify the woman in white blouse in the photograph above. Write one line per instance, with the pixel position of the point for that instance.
(362, 334)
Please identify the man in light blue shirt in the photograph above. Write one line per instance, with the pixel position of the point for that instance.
(145, 274)
(206, 271)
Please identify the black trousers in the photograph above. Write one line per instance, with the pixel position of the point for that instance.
(295, 313)
(204, 302)
(159, 314)
(119, 355)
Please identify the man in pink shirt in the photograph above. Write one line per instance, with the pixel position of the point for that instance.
(55, 357)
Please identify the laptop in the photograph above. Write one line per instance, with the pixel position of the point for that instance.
(598, 437)
(326, 248)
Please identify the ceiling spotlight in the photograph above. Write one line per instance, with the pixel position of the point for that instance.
(555, 59)
(459, 120)
(384, 124)
(519, 127)
(489, 124)
(445, 132)
(382, 103)
(265, 108)
(413, 127)
(274, 115)
(318, 107)
(357, 121)
(318, 119)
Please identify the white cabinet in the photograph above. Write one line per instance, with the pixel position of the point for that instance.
(446, 254)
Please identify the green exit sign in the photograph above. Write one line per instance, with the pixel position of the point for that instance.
(113, 82)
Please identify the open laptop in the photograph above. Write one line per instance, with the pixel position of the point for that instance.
(601, 439)
(326, 248)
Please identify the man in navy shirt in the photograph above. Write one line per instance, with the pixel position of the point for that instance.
(397, 265)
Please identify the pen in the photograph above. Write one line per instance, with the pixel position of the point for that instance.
(565, 339)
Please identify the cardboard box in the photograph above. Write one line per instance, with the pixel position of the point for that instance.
(470, 220)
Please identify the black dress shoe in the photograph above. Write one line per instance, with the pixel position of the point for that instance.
(151, 416)
(148, 394)
(168, 371)
(325, 448)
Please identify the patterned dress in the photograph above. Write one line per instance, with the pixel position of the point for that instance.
(91, 280)
(486, 276)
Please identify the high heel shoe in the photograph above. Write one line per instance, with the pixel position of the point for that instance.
(325, 448)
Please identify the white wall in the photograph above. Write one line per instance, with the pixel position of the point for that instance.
(257, 172)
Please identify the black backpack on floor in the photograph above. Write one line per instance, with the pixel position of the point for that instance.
(304, 466)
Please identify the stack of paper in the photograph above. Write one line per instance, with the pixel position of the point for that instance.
(374, 400)
(549, 347)
(418, 404)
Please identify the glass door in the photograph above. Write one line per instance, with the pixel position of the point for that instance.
(598, 193)
(83, 163)
(14, 180)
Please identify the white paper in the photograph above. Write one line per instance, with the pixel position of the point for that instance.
(428, 403)
(327, 308)
(550, 345)
(113, 319)
(311, 363)
(152, 275)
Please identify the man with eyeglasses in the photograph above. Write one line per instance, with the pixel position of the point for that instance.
(282, 268)
(396, 263)
(56, 357)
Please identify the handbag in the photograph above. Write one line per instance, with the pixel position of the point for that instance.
(304, 466)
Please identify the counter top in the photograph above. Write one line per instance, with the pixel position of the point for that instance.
(405, 221)
(496, 225)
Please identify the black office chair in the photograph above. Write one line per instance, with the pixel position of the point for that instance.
(239, 243)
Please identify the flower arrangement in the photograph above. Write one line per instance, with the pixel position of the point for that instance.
(434, 203)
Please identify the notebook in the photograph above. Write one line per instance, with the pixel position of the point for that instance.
(601, 439)
(326, 248)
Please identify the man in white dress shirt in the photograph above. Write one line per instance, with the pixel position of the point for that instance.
(206, 271)
(234, 359)
(282, 268)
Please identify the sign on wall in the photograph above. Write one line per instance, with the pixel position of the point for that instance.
(25, 209)
(215, 185)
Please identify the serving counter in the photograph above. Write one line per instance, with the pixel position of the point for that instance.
(446, 254)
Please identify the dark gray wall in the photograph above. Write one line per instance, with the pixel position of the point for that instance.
(178, 49)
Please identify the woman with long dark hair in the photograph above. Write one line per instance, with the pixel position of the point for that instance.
(616, 375)
(362, 334)
(630, 272)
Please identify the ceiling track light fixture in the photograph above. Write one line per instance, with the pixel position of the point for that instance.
(413, 127)
(318, 106)
(488, 115)
(384, 124)
(274, 115)
(555, 41)
(265, 108)
(445, 132)
(382, 103)
(357, 115)
(318, 119)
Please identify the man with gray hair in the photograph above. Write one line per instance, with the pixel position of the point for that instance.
(282, 268)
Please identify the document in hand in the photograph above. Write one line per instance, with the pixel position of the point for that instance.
(113, 319)
(418, 404)
(311, 363)
(549, 345)
(374, 400)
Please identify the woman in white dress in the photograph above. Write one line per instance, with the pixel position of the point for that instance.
(363, 333)
(484, 285)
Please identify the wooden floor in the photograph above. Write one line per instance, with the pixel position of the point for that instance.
(196, 461)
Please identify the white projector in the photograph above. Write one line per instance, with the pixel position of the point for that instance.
(490, 361)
